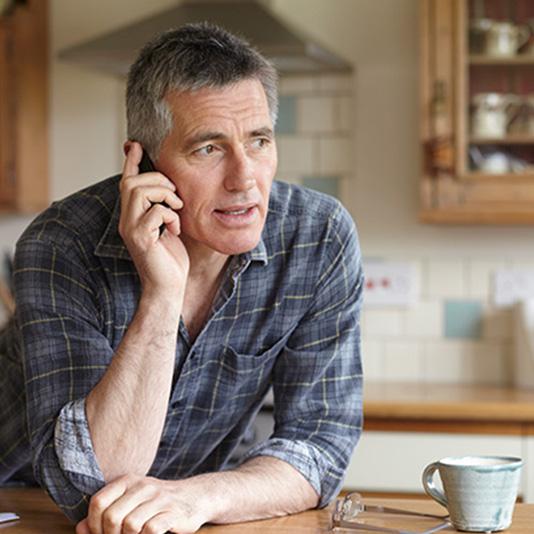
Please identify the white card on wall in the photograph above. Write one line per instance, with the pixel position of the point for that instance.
(390, 284)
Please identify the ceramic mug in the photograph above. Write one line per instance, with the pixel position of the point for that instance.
(505, 38)
(479, 491)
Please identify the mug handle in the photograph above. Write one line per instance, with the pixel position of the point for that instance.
(524, 34)
(430, 487)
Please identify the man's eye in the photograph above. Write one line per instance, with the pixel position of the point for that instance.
(261, 142)
(205, 150)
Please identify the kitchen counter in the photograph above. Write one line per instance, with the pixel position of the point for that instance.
(447, 407)
(38, 514)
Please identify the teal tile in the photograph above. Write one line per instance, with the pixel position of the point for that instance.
(325, 184)
(287, 115)
(463, 319)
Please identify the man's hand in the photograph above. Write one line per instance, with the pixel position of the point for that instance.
(161, 260)
(143, 505)
(261, 487)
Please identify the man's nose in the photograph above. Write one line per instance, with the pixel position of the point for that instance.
(240, 173)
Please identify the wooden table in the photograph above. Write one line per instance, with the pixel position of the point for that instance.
(39, 515)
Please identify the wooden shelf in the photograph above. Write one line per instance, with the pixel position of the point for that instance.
(479, 175)
(518, 139)
(477, 216)
(480, 59)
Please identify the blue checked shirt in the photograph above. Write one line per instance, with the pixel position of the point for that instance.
(286, 316)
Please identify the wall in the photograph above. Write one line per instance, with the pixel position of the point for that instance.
(380, 38)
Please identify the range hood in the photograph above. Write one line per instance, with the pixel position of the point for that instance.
(289, 50)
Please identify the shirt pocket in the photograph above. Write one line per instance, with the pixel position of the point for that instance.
(235, 382)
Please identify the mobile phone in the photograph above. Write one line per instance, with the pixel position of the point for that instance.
(146, 164)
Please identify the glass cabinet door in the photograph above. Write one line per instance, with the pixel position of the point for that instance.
(499, 88)
(477, 111)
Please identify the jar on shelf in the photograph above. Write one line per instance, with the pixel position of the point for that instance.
(492, 114)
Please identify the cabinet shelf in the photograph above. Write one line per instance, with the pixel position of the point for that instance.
(480, 59)
(518, 139)
(479, 175)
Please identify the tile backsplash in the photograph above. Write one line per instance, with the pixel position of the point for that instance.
(454, 333)
(315, 132)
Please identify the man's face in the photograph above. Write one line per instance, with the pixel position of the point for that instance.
(222, 158)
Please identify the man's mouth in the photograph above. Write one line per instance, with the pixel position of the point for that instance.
(244, 214)
(235, 212)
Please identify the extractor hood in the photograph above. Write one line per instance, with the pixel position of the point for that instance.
(289, 50)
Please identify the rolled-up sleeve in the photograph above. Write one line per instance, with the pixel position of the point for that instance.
(64, 355)
(317, 379)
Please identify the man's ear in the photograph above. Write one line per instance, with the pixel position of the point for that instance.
(127, 146)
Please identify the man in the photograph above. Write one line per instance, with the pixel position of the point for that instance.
(155, 310)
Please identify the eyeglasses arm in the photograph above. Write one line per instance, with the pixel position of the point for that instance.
(387, 510)
(353, 525)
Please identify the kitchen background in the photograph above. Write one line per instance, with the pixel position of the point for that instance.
(355, 136)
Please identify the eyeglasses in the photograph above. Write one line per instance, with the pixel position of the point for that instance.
(348, 508)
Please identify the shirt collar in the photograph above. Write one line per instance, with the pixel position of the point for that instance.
(111, 244)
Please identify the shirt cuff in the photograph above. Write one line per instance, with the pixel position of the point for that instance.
(304, 458)
(74, 448)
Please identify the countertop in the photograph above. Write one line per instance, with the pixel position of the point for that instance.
(38, 514)
(506, 409)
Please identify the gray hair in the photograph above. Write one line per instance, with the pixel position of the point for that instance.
(192, 57)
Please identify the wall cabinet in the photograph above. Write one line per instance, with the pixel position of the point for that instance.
(24, 107)
(477, 111)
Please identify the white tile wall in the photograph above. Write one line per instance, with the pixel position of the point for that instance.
(344, 118)
(373, 359)
(298, 85)
(335, 83)
(403, 361)
(448, 361)
(316, 114)
(335, 155)
(382, 323)
(296, 154)
(445, 279)
(479, 278)
(425, 320)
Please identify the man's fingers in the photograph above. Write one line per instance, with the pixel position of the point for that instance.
(83, 527)
(101, 501)
(132, 160)
(147, 179)
(143, 199)
(159, 215)
(114, 518)
(166, 522)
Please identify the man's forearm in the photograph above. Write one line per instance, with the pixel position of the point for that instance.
(126, 409)
(262, 487)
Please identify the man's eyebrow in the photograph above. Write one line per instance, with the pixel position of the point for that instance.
(203, 137)
(262, 132)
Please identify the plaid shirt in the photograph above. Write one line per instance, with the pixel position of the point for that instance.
(286, 316)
